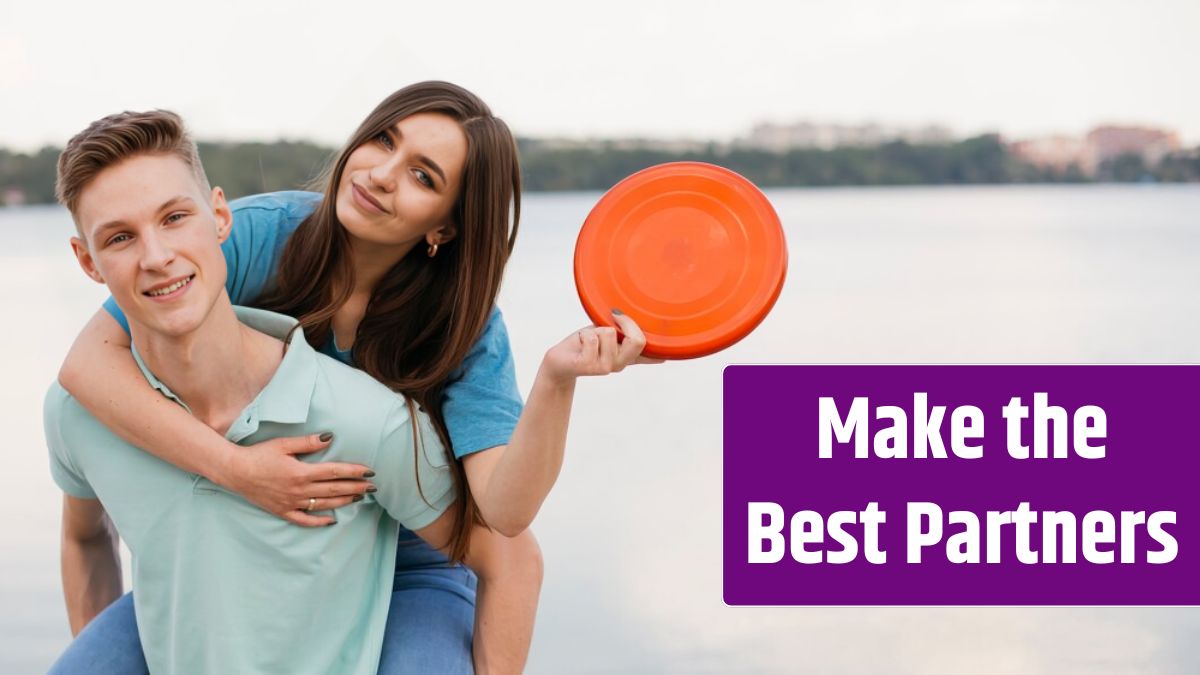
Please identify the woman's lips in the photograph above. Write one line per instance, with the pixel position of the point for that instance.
(366, 201)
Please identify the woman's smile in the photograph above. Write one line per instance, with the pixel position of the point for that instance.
(366, 202)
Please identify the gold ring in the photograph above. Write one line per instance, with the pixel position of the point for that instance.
(312, 501)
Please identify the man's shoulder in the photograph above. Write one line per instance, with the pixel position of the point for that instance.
(73, 434)
(67, 417)
(353, 390)
(363, 413)
(69, 431)
(382, 429)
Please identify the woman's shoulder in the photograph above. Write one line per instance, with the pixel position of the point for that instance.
(268, 219)
(288, 203)
(494, 338)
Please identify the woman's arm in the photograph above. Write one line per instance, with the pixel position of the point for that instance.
(511, 482)
(101, 374)
(91, 565)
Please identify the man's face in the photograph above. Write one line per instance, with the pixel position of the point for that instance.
(154, 237)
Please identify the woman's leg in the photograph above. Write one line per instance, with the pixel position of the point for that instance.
(108, 645)
(431, 620)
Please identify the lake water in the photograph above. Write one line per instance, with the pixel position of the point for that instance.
(632, 532)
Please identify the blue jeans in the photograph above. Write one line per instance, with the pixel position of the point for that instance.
(431, 622)
(109, 644)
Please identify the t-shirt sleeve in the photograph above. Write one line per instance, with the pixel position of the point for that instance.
(62, 466)
(482, 404)
(413, 480)
(261, 227)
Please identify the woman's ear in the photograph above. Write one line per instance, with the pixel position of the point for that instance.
(442, 234)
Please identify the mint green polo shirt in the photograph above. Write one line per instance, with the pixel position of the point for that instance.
(221, 586)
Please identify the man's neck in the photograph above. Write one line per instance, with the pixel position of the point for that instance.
(217, 369)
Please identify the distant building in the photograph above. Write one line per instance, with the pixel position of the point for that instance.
(12, 196)
(1109, 142)
(1101, 144)
(784, 137)
(1054, 152)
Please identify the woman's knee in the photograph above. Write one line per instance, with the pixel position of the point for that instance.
(429, 630)
(109, 644)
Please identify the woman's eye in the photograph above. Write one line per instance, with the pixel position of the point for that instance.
(384, 140)
(424, 178)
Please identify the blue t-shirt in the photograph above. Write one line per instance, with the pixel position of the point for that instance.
(481, 403)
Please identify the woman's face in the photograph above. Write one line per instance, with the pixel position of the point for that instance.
(399, 188)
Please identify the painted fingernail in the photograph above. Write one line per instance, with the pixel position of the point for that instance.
(617, 311)
(357, 498)
(326, 436)
(369, 474)
(372, 489)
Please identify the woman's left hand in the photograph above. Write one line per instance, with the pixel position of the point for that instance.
(596, 350)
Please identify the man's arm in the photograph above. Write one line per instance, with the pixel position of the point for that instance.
(91, 564)
(510, 579)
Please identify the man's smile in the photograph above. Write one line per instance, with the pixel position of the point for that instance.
(170, 289)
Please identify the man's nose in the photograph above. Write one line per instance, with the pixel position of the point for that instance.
(157, 253)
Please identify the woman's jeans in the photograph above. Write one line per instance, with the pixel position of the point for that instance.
(430, 623)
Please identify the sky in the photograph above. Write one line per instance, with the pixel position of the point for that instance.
(249, 70)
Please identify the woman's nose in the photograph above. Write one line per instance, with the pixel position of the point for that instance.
(384, 174)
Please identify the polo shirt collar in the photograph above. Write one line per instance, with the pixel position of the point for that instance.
(287, 396)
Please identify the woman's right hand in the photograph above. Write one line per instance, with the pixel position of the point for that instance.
(270, 476)
(597, 350)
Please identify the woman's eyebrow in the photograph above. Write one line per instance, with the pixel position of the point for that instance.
(395, 130)
(433, 166)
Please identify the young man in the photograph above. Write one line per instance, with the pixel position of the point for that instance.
(222, 586)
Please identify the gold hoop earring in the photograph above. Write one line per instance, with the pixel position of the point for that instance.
(432, 250)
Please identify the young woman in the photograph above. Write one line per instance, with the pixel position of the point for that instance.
(395, 269)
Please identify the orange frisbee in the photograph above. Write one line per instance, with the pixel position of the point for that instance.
(693, 252)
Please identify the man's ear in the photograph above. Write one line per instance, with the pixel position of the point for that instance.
(84, 256)
(442, 234)
(222, 213)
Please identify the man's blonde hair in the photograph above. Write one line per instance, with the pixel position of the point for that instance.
(110, 140)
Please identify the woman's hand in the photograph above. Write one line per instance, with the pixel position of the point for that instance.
(596, 350)
(269, 475)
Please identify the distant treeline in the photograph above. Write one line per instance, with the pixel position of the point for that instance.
(982, 159)
(240, 168)
(248, 168)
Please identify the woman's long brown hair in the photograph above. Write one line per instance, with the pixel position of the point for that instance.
(426, 313)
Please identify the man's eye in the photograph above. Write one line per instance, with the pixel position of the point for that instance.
(175, 217)
(424, 178)
(117, 239)
(384, 139)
